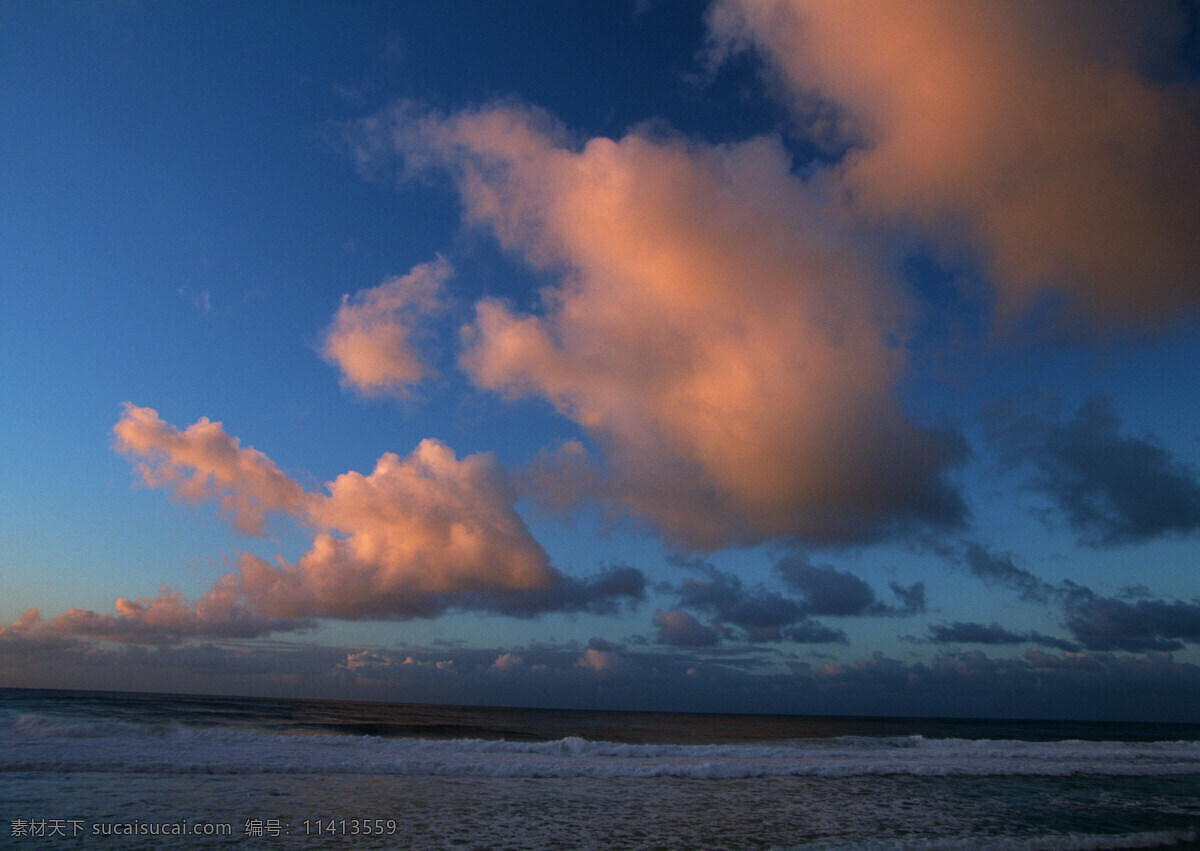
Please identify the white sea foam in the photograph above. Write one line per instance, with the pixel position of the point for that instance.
(39, 743)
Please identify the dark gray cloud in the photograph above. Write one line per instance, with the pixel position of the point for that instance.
(1109, 623)
(681, 629)
(603, 593)
(827, 591)
(911, 597)
(762, 614)
(960, 632)
(604, 675)
(1130, 621)
(1112, 488)
(603, 645)
(999, 570)
(814, 632)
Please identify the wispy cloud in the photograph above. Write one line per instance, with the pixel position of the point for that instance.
(1097, 622)
(998, 569)
(960, 632)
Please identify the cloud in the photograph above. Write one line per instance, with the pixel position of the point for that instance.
(561, 477)
(601, 661)
(1096, 622)
(760, 614)
(814, 632)
(1029, 133)
(202, 462)
(1113, 488)
(975, 633)
(371, 337)
(681, 629)
(997, 569)
(766, 615)
(601, 593)
(1107, 623)
(368, 660)
(28, 635)
(911, 597)
(827, 591)
(729, 349)
(1039, 684)
(507, 662)
(416, 537)
(167, 618)
(410, 539)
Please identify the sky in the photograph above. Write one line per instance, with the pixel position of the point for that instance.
(769, 356)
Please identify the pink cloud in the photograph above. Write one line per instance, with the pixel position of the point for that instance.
(1021, 130)
(681, 628)
(371, 339)
(560, 478)
(600, 661)
(203, 462)
(726, 345)
(368, 660)
(507, 662)
(167, 618)
(415, 537)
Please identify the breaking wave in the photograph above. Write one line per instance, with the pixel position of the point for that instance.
(40, 743)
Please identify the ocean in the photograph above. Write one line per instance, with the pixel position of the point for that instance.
(112, 770)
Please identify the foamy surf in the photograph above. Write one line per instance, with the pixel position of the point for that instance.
(33, 743)
(450, 777)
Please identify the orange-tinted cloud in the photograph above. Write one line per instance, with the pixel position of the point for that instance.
(731, 351)
(414, 536)
(167, 618)
(1022, 130)
(417, 536)
(203, 462)
(371, 337)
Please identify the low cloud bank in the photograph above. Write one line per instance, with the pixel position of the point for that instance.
(1149, 687)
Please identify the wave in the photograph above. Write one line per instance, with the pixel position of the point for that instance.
(42, 743)
(44, 726)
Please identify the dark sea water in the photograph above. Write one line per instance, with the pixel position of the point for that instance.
(110, 770)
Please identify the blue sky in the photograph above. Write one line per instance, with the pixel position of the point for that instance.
(738, 357)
